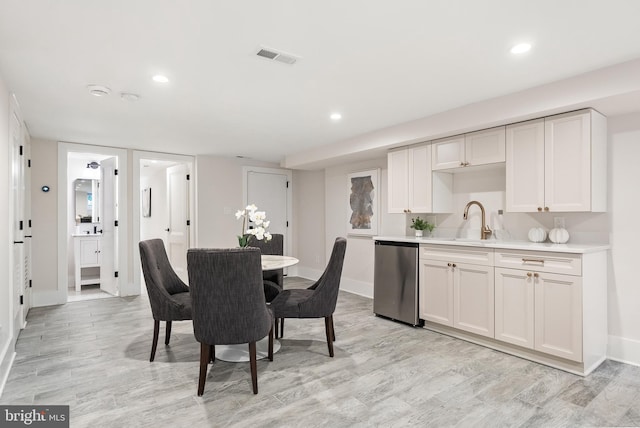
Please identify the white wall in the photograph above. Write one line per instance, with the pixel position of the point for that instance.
(6, 339)
(308, 222)
(624, 203)
(219, 195)
(357, 273)
(154, 226)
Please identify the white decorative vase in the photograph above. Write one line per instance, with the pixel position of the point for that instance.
(419, 233)
(537, 234)
(558, 235)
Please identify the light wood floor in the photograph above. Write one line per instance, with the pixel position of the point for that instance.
(93, 356)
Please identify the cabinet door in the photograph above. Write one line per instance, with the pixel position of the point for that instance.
(398, 192)
(473, 297)
(420, 189)
(525, 166)
(558, 315)
(485, 147)
(436, 292)
(447, 153)
(568, 162)
(514, 307)
(89, 252)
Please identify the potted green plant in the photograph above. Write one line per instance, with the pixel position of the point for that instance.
(421, 225)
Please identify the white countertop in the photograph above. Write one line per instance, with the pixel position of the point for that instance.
(86, 235)
(510, 245)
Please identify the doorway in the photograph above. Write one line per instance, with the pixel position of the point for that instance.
(92, 222)
(164, 207)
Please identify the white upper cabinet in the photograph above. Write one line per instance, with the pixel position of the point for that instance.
(412, 188)
(557, 164)
(473, 149)
(525, 166)
(397, 180)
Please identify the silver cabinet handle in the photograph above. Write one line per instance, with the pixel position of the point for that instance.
(541, 261)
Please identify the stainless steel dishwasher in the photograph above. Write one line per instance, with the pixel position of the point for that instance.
(395, 281)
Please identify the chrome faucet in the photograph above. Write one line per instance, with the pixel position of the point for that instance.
(485, 232)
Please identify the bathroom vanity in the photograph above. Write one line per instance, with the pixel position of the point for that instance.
(87, 258)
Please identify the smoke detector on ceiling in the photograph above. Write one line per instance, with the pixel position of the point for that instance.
(276, 55)
(98, 90)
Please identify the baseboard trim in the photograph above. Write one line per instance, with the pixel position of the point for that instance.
(624, 350)
(361, 288)
(6, 362)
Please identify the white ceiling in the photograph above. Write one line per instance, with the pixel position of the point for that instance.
(378, 62)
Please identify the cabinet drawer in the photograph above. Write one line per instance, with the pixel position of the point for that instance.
(457, 254)
(563, 263)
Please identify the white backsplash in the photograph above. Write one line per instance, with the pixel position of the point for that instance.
(488, 188)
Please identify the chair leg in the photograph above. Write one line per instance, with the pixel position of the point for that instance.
(281, 328)
(276, 326)
(271, 344)
(154, 344)
(167, 335)
(212, 353)
(204, 363)
(328, 326)
(333, 330)
(254, 368)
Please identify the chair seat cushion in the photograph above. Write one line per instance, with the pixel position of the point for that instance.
(271, 290)
(288, 303)
(183, 311)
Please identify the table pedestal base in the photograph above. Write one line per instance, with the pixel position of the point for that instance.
(240, 353)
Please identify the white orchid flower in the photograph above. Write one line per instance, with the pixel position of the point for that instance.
(259, 233)
(251, 208)
(266, 224)
(267, 236)
(239, 214)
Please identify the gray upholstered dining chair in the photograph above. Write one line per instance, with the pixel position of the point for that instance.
(317, 301)
(273, 280)
(228, 303)
(168, 295)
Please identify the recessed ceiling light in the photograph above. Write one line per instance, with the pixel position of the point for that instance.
(335, 116)
(521, 48)
(98, 90)
(128, 96)
(159, 78)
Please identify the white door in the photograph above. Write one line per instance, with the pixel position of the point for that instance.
(179, 223)
(109, 241)
(268, 191)
(27, 230)
(17, 229)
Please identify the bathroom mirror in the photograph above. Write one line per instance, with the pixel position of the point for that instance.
(86, 198)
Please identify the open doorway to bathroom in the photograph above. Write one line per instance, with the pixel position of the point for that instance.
(92, 222)
(163, 208)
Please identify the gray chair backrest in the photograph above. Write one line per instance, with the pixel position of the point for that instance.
(159, 277)
(227, 296)
(323, 301)
(275, 246)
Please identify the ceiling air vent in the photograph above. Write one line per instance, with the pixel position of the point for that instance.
(275, 55)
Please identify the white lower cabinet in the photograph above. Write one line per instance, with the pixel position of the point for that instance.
(551, 305)
(455, 291)
(541, 311)
(87, 260)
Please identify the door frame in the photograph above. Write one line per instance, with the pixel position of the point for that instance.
(63, 201)
(138, 155)
(289, 173)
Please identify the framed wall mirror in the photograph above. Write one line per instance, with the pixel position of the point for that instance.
(86, 200)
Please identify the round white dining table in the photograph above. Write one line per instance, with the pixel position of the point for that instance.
(240, 353)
